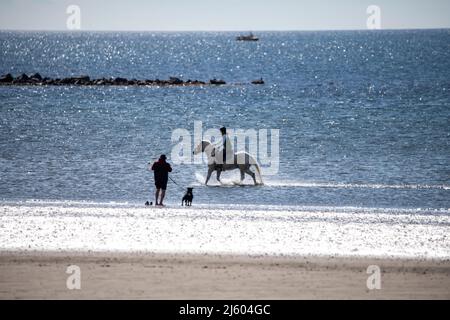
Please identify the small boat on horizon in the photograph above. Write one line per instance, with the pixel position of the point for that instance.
(249, 37)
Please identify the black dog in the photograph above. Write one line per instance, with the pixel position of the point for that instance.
(187, 198)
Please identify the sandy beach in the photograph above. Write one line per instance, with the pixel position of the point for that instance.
(41, 275)
(129, 252)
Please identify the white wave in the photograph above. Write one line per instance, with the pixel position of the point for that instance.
(200, 180)
(234, 180)
(305, 184)
(225, 181)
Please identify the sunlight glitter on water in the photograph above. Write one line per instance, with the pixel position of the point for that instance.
(287, 231)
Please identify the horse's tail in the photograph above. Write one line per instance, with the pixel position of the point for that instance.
(258, 168)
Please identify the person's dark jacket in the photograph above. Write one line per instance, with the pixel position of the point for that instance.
(161, 169)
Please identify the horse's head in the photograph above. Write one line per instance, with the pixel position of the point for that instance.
(201, 147)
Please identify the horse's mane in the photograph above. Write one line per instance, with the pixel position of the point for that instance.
(207, 141)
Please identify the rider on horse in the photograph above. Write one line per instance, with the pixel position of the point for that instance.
(223, 150)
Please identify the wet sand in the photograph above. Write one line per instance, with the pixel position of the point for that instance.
(42, 275)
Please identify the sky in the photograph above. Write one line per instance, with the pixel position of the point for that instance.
(222, 15)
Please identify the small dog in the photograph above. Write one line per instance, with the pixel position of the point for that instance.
(187, 198)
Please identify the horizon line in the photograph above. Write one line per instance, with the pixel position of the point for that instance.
(224, 31)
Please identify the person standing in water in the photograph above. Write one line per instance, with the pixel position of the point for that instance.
(161, 170)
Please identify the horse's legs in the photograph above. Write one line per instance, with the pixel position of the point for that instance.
(251, 174)
(208, 175)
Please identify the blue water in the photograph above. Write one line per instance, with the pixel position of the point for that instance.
(364, 117)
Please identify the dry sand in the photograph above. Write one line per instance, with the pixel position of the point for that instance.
(182, 276)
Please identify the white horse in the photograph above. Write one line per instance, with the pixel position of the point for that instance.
(242, 161)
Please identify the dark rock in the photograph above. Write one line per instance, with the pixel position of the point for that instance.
(216, 82)
(36, 76)
(81, 80)
(37, 79)
(120, 81)
(67, 81)
(7, 78)
(175, 81)
(260, 81)
(23, 78)
(33, 81)
(109, 81)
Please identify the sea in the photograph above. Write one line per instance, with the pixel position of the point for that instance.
(363, 120)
